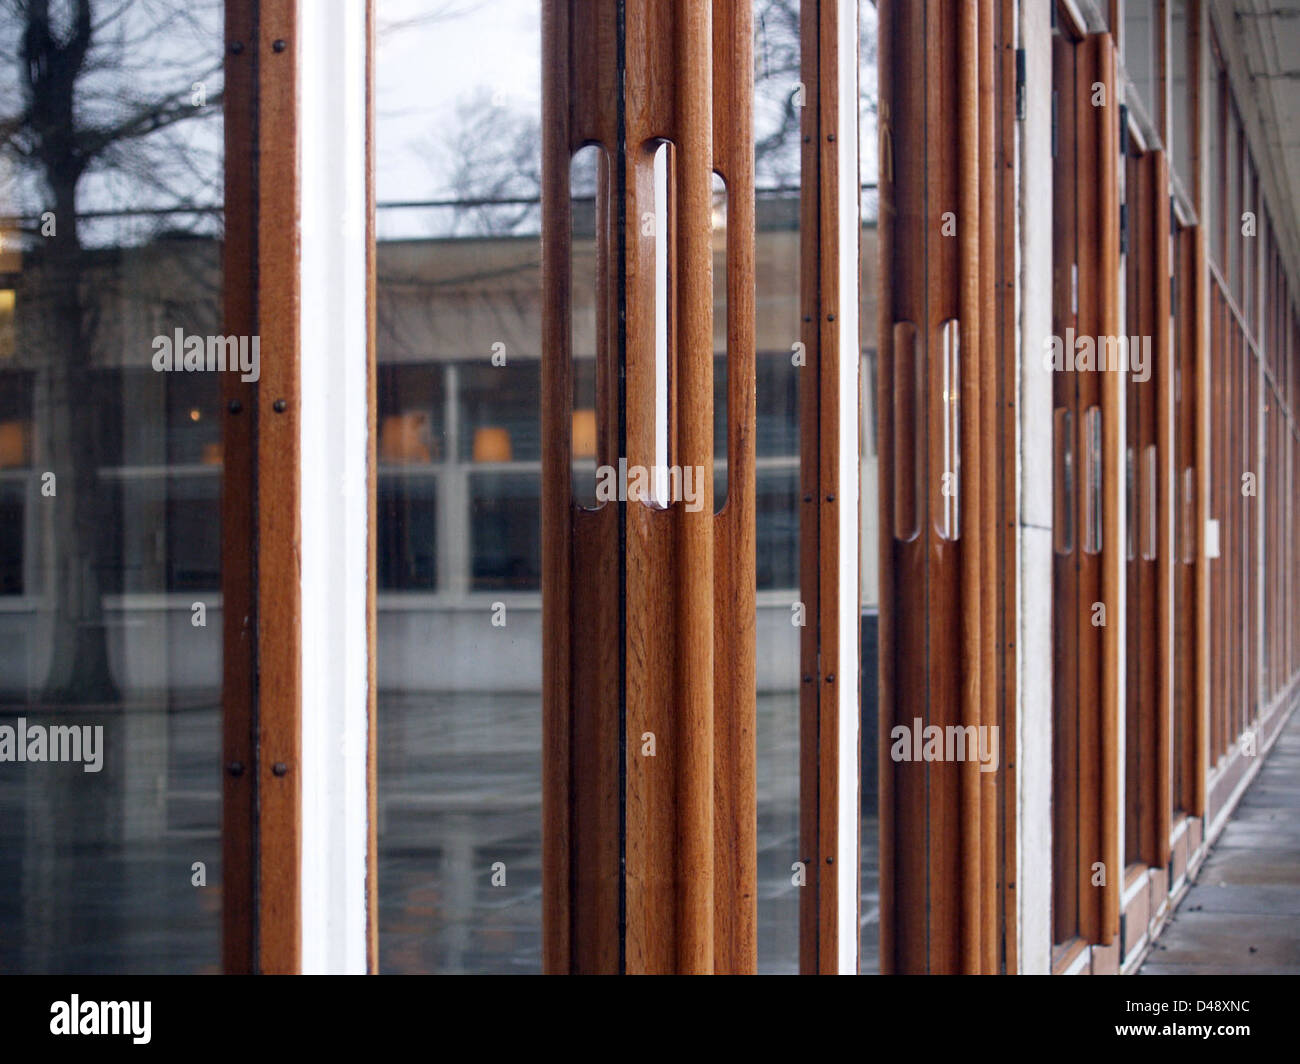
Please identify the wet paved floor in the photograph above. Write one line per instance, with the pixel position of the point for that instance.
(1242, 915)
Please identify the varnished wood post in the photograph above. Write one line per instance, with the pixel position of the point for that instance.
(1166, 562)
(694, 531)
(736, 816)
(970, 486)
(828, 387)
(1112, 554)
(649, 833)
(940, 877)
(1201, 696)
(582, 577)
(279, 649)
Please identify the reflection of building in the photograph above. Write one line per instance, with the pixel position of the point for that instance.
(158, 545)
(459, 456)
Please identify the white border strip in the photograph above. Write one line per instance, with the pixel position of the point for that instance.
(847, 589)
(335, 735)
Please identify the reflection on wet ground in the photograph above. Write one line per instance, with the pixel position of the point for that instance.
(96, 869)
(460, 791)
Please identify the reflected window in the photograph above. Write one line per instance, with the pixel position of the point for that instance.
(505, 523)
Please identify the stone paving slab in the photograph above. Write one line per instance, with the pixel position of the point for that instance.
(1242, 913)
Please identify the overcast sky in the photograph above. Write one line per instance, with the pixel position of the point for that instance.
(437, 61)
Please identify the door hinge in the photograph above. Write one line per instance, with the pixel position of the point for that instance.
(1123, 131)
(1123, 228)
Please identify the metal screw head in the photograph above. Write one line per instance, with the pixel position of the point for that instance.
(830, 677)
(807, 498)
(280, 768)
(235, 768)
(235, 406)
(236, 47)
(280, 406)
(280, 45)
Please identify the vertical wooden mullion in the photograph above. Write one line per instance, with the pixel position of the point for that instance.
(279, 858)
(1088, 698)
(1101, 574)
(828, 502)
(1113, 468)
(582, 814)
(1200, 282)
(1148, 403)
(1067, 609)
(693, 321)
(939, 827)
(985, 884)
(971, 266)
(1189, 651)
(238, 537)
(736, 841)
(810, 915)
(1166, 562)
(943, 654)
(1135, 672)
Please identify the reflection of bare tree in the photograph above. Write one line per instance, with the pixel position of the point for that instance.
(106, 91)
(489, 161)
(777, 99)
(495, 166)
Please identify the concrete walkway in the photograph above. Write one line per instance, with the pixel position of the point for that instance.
(1242, 915)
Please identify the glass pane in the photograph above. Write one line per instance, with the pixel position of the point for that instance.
(1063, 480)
(1180, 92)
(110, 488)
(1140, 28)
(868, 144)
(1092, 481)
(459, 643)
(586, 168)
(779, 370)
(1130, 504)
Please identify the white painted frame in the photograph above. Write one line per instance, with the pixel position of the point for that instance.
(333, 110)
(848, 586)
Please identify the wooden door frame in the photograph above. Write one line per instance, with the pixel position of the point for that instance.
(264, 560)
(1149, 676)
(261, 695)
(829, 533)
(947, 831)
(1095, 779)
